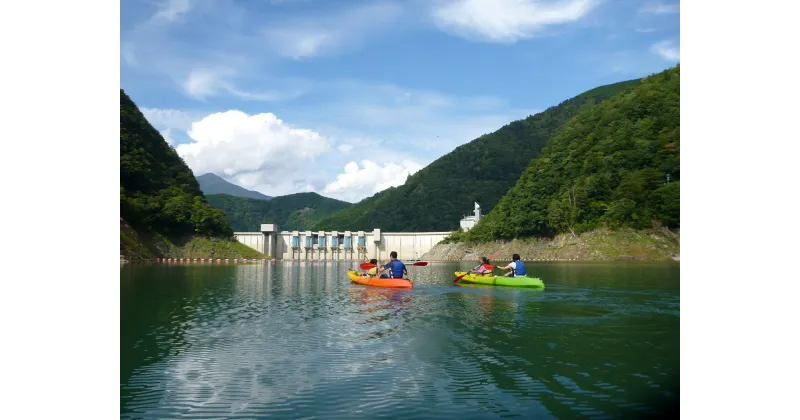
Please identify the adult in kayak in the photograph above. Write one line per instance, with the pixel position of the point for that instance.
(483, 268)
(516, 266)
(396, 267)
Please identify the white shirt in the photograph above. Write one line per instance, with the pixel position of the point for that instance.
(513, 265)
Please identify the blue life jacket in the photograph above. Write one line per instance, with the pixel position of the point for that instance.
(520, 270)
(397, 268)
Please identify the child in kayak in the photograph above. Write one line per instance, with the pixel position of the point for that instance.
(484, 268)
(516, 266)
(373, 272)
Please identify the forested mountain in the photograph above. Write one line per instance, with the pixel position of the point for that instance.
(158, 192)
(214, 184)
(436, 197)
(290, 212)
(608, 166)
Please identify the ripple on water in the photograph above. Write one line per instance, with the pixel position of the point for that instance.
(273, 343)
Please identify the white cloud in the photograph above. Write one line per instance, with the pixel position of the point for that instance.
(506, 20)
(202, 83)
(658, 8)
(230, 65)
(359, 182)
(307, 37)
(260, 151)
(167, 134)
(667, 50)
(426, 123)
(170, 9)
(379, 122)
(168, 118)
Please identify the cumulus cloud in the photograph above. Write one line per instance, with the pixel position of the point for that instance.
(506, 20)
(260, 151)
(358, 182)
(363, 120)
(667, 50)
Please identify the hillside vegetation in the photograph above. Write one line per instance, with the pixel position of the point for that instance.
(299, 211)
(436, 197)
(161, 206)
(607, 167)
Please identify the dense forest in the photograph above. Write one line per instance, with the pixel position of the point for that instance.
(483, 170)
(616, 164)
(214, 184)
(290, 212)
(158, 192)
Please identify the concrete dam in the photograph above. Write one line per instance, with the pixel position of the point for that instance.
(347, 245)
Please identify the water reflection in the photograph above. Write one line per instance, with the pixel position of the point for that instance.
(300, 340)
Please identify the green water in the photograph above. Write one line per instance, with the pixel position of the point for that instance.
(283, 340)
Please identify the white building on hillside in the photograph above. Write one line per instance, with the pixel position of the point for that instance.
(469, 222)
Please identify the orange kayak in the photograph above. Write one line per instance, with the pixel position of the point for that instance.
(356, 277)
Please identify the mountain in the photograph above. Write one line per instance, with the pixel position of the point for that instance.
(439, 195)
(213, 184)
(614, 165)
(163, 212)
(158, 191)
(290, 212)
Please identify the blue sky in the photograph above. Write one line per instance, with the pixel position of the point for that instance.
(346, 98)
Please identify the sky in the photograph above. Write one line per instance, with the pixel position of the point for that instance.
(347, 98)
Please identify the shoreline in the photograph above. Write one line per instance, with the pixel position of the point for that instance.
(598, 245)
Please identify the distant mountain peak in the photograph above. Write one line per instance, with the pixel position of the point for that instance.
(214, 184)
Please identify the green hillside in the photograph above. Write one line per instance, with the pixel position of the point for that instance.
(436, 197)
(214, 184)
(607, 167)
(161, 205)
(299, 211)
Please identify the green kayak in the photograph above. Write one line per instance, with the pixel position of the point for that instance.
(501, 280)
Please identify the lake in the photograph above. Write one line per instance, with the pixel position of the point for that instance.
(299, 340)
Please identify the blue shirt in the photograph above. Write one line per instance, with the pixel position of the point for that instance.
(397, 268)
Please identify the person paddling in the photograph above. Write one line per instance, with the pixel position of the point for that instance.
(373, 272)
(398, 269)
(483, 268)
(516, 266)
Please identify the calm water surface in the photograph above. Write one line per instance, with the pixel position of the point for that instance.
(285, 340)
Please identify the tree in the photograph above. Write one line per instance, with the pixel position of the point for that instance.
(608, 165)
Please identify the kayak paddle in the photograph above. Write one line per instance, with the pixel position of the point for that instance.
(489, 267)
(367, 266)
(459, 277)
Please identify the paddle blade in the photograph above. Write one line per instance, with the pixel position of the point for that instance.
(420, 263)
(367, 266)
(459, 278)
